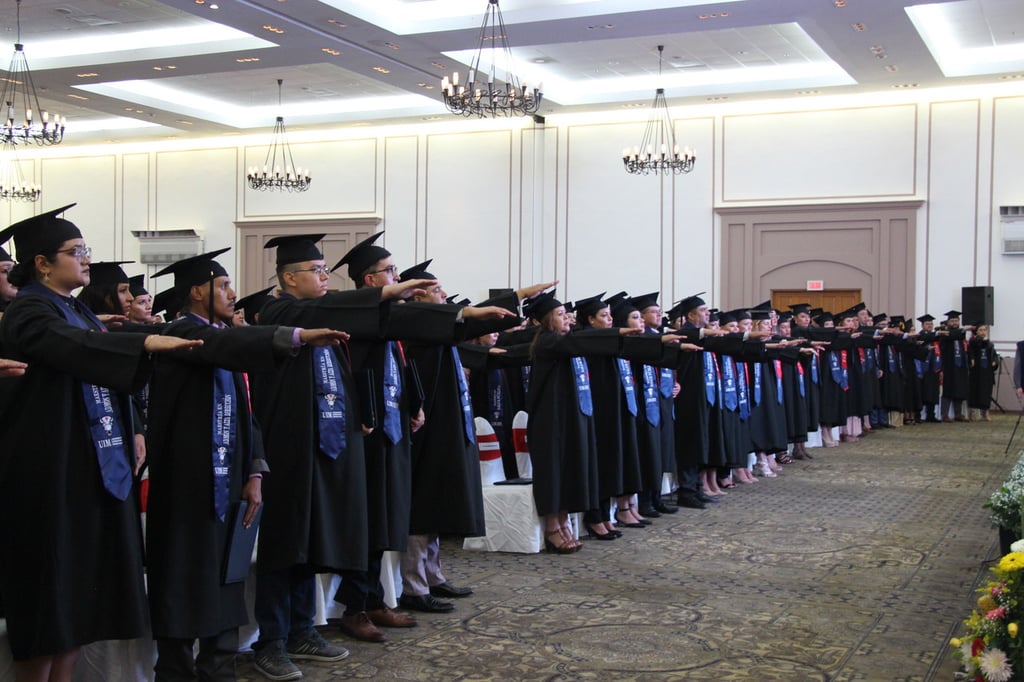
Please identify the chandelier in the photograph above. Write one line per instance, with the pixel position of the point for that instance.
(19, 94)
(658, 151)
(494, 99)
(12, 186)
(294, 179)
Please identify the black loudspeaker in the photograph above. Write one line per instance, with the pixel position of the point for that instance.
(976, 305)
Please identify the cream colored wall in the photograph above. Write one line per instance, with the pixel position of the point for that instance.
(504, 203)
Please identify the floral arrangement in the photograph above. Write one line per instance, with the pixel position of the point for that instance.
(992, 650)
(1005, 503)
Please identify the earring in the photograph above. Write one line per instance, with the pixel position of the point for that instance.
(46, 277)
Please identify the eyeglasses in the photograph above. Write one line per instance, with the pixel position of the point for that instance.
(319, 270)
(81, 252)
(391, 269)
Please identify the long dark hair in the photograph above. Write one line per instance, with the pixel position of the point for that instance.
(25, 272)
(101, 299)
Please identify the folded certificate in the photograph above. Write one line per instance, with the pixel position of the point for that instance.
(240, 543)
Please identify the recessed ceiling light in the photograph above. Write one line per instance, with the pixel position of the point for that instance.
(891, 68)
(214, 6)
(808, 92)
(330, 51)
(381, 69)
(74, 96)
(183, 122)
(605, 27)
(633, 105)
(337, 23)
(858, 26)
(431, 118)
(904, 86)
(717, 99)
(1012, 77)
(438, 65)
(839, 3)
(392, 46)
(87, 75)
(273, 29)
(158, 68)
(246, 60)
(540, 60)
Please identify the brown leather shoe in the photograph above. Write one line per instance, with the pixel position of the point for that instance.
(947, 420)
(962, 419)
(358, 626)
(389, 618)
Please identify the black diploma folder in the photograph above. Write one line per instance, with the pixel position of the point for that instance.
(240, 543)
(368, 393)
(414, 388)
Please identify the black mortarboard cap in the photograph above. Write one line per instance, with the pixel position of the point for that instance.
(542, 304)
(823, 317)
(952, 313)
(689, 303)
(4, 256)
(418, 271)
(450, 299)
(763, 305)
(816, 311)
(570, 307)
(645, 300)
(926, 318)
(170, 300)
(195, 270)
(798, 308)
(107, 273)
(859, 307)
(136, 284)
(878, 318)
(361, 256)
(296, 248)
(741, 314)
(785, 317)
(43, 233)
(622, 307)
(760, 313)
(726, 317)
(846, 314)
(585, 307)
(252, 303)
(897, 320)
(715, 315)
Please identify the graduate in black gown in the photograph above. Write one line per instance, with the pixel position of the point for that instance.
(7, 290)
(70, 542)
(984, 363)
(931, 377)
(955, 370)
(315, 520)
(109, 293)
(206, 454)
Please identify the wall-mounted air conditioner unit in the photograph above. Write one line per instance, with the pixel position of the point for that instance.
(163, 247)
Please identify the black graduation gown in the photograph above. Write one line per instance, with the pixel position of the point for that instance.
(70, 553)
(185, 540)
(735, 422)
(892, 381)
(652, 440)
(562, 439)
(695, 429)
(915, 367)
(389, 465)
(955, 372)
(768, 415)
(498, 373)
(835, 369)
(796, 390)
(931, 382)
(983, 365)
(314, 506)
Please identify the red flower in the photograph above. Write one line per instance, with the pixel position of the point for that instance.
(977, 646)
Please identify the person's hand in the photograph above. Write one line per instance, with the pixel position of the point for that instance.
(253, 494)
(489, 312)
(676, 388)
(534, 290)
(406, 289)
(689, 347)
(158, 343)
(671, 338)
(629, 331)
(760, 334)
(112, 320)
(140, 453)
(494, 350)
(367, 430)
(1020, 394)
(417, 421)
(808, 351)
(322, 337)
(11, 368)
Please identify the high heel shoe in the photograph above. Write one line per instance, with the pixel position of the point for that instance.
(593, 534)
(629, 523)
(633, 510)
(762, 469)
(552, 548)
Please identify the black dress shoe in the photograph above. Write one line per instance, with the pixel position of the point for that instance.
(691, 502)
(663, 508)
(703, 497)
(650, 512)
(449, 591)
(425, 603)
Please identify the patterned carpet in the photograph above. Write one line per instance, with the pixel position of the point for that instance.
(858, 565)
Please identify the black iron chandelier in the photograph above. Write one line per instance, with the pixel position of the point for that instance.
(658, 151)
(293, 179)
(19, 96)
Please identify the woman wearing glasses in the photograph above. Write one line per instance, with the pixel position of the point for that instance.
(72, 564)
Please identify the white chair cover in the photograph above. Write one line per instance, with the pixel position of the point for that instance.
(491, 470)
(521, 445)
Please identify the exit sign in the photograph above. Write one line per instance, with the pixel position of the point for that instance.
(815, 285)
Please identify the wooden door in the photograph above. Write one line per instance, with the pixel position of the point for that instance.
(257, 268)
(830, 300)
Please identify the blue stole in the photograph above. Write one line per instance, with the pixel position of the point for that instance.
(958, 355)
(743, 390)
(838, 371)
(919, 366)
(870, 356)
(467, 409)
(778, 380)
(495, 398)
(800, 378)
(729, 381)
(392, 394)
(651, 407)
(983, 358)
(225, 432)
(710, 377)
(814, 369)
(626, 378)
(666, 381)
(525, 375)
(112, 452)
(757, 383)
(582, 373)
(330, 398)
(891, 353)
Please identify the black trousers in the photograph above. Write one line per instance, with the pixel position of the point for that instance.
(361, 590)
(215, 663)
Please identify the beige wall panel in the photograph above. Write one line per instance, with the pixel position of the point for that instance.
(203, 201)
(91, 182)
(689, 235)
(468, 211)
(845, 153)
(613, 219)
(1007, 190)
(135, 205)
(344, 174)
(401, 198)
(952, 203)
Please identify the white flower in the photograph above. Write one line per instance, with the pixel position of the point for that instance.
(994, 665)
(1017, 546)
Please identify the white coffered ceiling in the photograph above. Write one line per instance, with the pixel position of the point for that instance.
(127, 69)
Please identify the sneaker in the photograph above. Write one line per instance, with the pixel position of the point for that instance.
(273, 664)
(313, 647)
